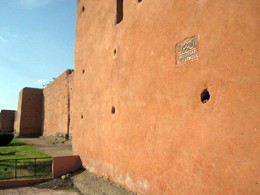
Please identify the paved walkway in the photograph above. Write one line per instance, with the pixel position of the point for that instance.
(53, 146)
(34, 191)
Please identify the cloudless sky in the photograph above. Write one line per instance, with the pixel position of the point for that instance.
(37, 40)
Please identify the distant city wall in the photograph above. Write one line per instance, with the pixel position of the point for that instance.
(56, 105)
(7, 120)
(166, 94)
(29, 113)
(45, 111)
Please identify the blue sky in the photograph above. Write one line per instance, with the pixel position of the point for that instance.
(37, 40)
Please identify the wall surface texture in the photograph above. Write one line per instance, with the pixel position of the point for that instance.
(138, 119)
(15, 121)
(0, 120)
(56, 105)
(29, 113)
(7, 120)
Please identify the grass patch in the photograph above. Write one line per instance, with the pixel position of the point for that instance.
(24, 167)
(18, 150)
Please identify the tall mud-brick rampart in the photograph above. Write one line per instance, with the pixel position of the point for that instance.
(166, 94)
(56, 106)
(46, 111)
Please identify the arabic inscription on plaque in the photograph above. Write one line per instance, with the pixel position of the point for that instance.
(187, 50)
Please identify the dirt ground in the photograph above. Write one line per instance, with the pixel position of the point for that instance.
(84, 182)
(91, 184)
(60, 184)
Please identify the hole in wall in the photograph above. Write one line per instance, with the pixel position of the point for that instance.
(114, 52)
(83, 9)
(113, 110)
(139, 1)
(205, 96)
(81, 116)
(119, 11)
(83, 71)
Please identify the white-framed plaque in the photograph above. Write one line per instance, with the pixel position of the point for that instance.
(187, 50)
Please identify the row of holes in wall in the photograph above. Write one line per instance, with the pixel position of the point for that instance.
(113, 111)
(119, 16)
(119, 10)
(204, 99)
(205, 96)
(35, 94)
(83, 71)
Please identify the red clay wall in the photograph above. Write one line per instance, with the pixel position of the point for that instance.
(15, 121)
(0, 120)
(29, 113)
(56, 105)
(7, 120)
(161, 138)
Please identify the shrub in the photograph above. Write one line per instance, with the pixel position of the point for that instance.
(6, 138)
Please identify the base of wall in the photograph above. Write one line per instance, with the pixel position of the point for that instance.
(7, 130)
(63, 135)
(89, 183)
(28, 135)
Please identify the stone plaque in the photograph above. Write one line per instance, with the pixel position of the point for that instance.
(187, 50)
